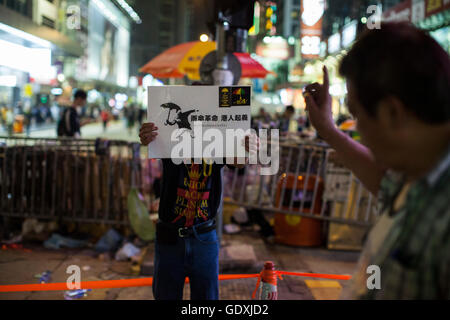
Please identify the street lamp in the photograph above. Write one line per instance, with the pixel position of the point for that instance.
(204, 37)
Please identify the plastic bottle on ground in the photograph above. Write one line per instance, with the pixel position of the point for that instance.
(269, 282)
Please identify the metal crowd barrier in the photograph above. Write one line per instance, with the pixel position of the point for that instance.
(89, 181)
(309, 183)
(76, 180)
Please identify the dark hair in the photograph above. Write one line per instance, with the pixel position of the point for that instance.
(402, 61)
(80, 94)
(290, 108)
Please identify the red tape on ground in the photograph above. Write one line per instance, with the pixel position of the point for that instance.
(143, 282)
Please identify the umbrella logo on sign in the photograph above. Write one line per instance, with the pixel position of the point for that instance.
(181, 118)
(238, 93)
(234, 96)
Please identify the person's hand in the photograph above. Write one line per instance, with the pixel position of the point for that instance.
(318, 105)
(148, 133)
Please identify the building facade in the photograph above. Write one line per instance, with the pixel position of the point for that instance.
(166, 23)
(63, 44)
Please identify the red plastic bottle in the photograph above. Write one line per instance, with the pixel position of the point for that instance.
(269, 282)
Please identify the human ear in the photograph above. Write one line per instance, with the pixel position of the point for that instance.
(392, 113)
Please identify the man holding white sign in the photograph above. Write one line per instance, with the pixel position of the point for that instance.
(182, 118)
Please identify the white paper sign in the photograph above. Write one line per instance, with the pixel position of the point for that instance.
(198, 116)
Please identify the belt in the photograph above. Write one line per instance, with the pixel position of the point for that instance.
(188, 231)
(202, 228)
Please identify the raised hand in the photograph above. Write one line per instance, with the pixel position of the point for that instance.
(318, 104)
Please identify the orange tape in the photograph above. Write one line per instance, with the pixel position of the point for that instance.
(143, 282)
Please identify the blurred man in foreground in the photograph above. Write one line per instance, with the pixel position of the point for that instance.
(398, 81)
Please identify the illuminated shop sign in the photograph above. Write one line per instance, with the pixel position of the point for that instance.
(415, 11)
(349, 33)
(334, 43)
(311, 27)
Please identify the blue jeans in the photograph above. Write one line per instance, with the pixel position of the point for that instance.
(196, 257)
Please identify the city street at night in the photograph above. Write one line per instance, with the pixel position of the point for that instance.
(225, 158)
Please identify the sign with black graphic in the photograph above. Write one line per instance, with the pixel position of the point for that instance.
(196, 115)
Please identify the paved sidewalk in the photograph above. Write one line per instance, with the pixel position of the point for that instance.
(116, 130)
(240, 253)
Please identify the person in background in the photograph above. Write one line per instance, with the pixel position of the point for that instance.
(341, 119)
(285, 119)
(131, 118)
(398, 81)
(301, 122)
(28, 116)
(69, 124)
(19, 108)
(9, 117)
(141, 116)
(3, 116)
(264, 116)
(54, 111)
(104, 114)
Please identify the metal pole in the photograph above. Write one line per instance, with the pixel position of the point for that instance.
(222, 76)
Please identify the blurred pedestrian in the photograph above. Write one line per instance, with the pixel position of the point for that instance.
(9, 119)
(105, 118)
(264, 116)
(54, 111)
(3, 116)
(341, 119)
(69, 124)
(398, 81)
(28, 116)
(285, 119)
(141, 116)
(131, 118)
(19, 108)
(302, 122)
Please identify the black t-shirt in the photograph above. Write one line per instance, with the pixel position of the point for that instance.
(70, 122)
(190, 193)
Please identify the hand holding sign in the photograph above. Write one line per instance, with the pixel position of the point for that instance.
(148, 133)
